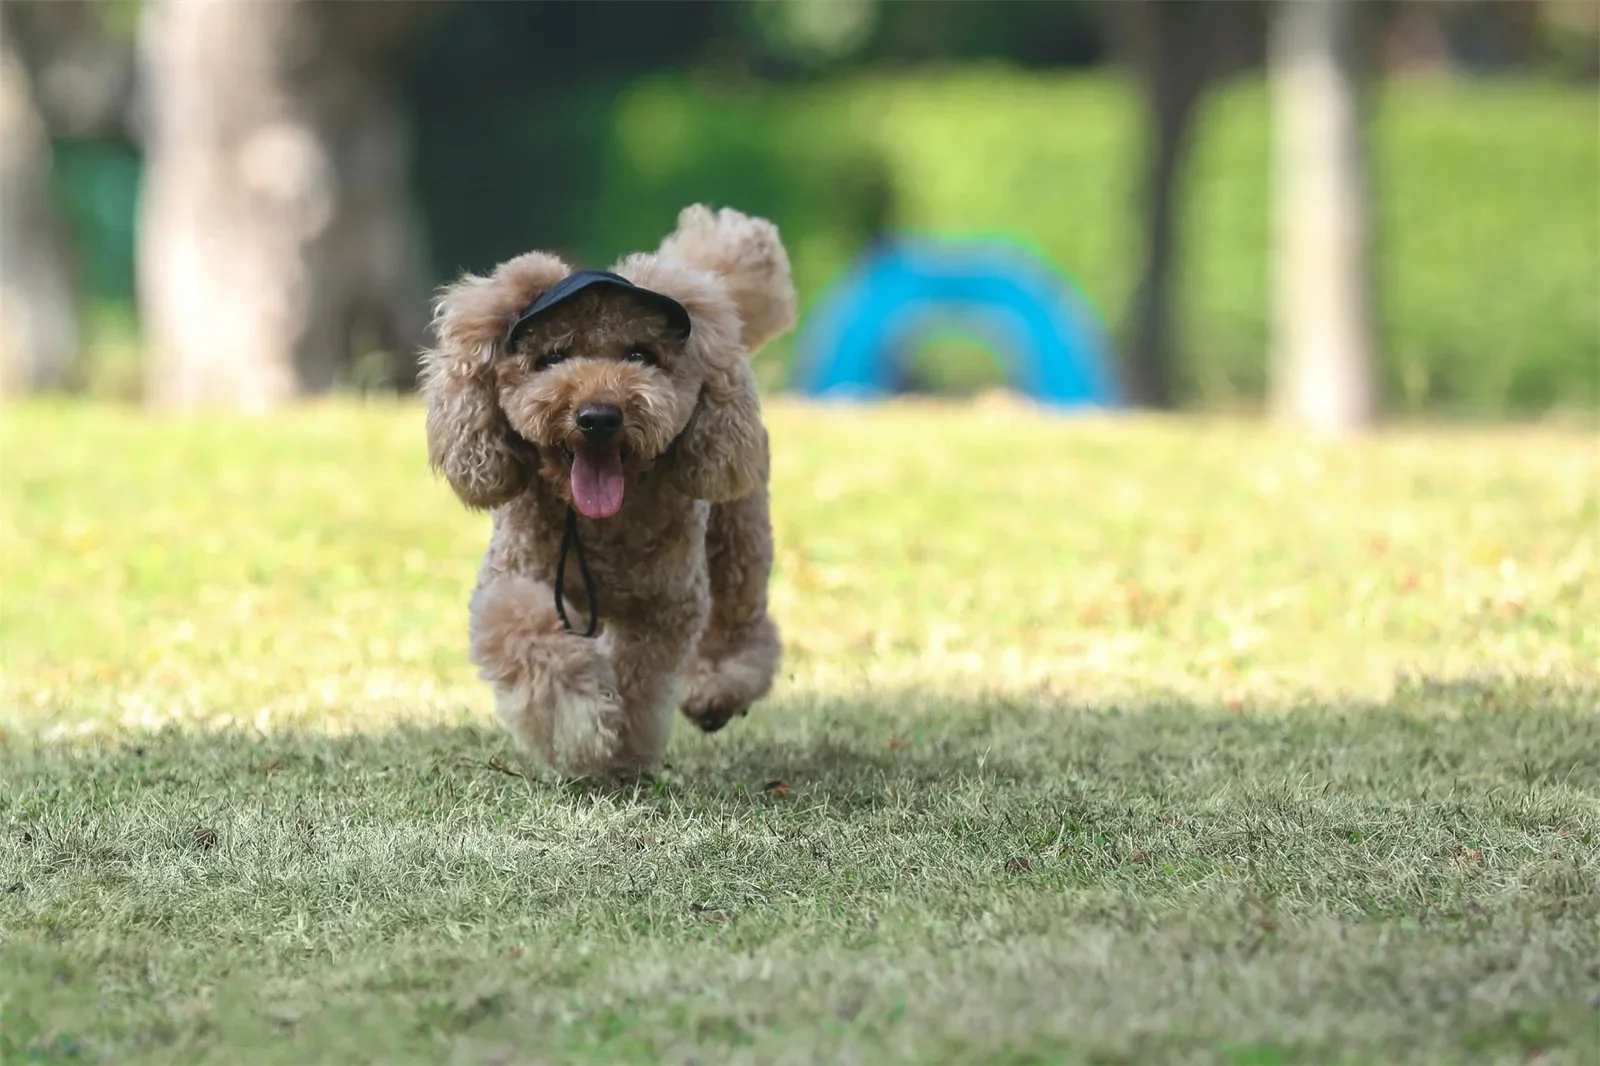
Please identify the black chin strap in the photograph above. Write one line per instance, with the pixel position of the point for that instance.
(569, 542)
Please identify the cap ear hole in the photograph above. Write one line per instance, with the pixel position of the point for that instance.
(517, 330)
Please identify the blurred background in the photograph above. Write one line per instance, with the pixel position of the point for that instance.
(1343, 211)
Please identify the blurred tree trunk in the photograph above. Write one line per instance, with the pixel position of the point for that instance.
(1323, 377)
(38, 312)
(274, 230)
(1178, 48)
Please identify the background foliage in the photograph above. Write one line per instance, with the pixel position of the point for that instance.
(1489, 227)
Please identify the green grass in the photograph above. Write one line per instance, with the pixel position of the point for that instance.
(1101, 741)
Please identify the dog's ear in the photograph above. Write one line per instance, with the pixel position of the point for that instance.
(722, 452)
(747, 254)
(470, 441)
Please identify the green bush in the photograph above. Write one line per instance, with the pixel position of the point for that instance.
(1489, 201)
(1488, 221)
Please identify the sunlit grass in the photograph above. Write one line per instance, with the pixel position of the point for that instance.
(1100, 740)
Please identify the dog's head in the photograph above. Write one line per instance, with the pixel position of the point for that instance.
(602, 372)
(602, 380)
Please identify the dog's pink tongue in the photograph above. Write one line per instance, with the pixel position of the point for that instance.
(598, 482)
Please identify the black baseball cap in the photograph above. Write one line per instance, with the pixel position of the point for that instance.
(574, 283)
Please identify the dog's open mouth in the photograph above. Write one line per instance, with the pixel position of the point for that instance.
(599, 479)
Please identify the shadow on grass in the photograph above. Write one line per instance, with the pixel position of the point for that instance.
(859, 755)
(409, 885)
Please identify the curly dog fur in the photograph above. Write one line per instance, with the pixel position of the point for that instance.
(681, 567)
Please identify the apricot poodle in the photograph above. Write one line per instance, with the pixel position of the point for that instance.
(610, 422)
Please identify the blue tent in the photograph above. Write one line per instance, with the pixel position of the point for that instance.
(1056, 350)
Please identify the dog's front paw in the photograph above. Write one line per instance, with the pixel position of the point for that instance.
(554, 690)
(565, 708)
(585, 712)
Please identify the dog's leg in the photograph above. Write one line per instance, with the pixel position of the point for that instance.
(554, 690)
(648, 654)
(739, 651)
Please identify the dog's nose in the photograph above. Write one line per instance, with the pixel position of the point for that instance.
(599, 422)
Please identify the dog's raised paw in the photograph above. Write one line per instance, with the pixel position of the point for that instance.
(712, 715)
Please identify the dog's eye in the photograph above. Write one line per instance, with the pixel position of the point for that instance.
(550, 359)
(641, 355)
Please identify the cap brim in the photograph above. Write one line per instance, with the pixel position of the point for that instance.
(573, 284)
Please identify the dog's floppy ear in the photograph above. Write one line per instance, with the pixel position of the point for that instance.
(722, 452)
(469, 440)
(747, 254)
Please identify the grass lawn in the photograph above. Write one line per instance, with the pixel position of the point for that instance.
(1099, 742)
